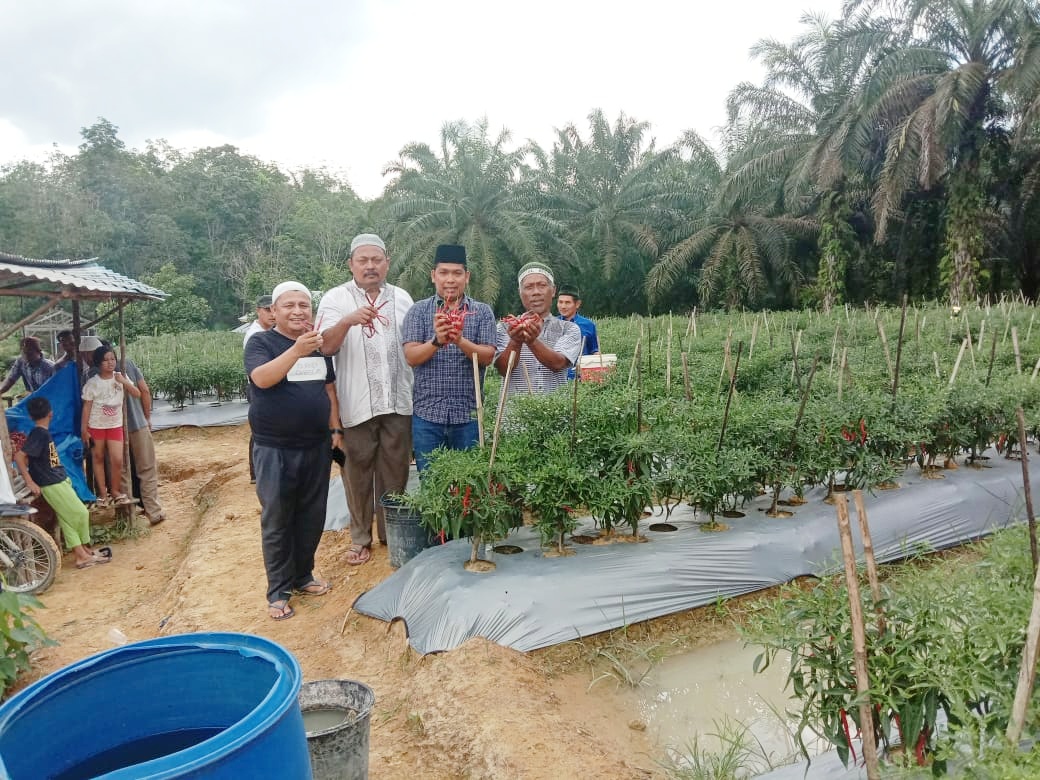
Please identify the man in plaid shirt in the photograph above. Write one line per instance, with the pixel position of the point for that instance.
(440, 336)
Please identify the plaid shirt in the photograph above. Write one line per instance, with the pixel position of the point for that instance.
(443, 392)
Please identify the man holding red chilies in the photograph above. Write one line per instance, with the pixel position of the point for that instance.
(441, 335)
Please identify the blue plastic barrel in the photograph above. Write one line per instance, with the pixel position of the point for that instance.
(220, 706)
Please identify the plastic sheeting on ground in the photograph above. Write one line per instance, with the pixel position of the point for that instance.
(337, 516)
(533, 601)
(204, 414)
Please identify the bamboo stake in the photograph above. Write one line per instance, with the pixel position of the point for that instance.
(834, 349)
(899, 350)
(1027, 672)
(754, 335)
(982, 329)
(868, 557)
(992, 354)
(729, 396)
(635, 361)
(795, 374)
(935, 359)
(859, 640)
(841, 370)
(527, 378)
(725, 361)
(957, 363)
(1007, 327)
(574, 401)
(971, 348)
(668, 359)
(1018, 353)
(888, 356)
(1026, 489)
(1036, 369)
(501, 408)
(1029, 330)
(686, 378)
(479, 397)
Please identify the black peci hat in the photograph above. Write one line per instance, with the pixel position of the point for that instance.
(569, 289)
(450, 253)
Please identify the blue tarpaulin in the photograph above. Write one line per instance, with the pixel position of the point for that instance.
(62, 390)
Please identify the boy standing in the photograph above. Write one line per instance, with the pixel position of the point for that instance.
(44, 475)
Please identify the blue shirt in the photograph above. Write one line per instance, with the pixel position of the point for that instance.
(588, 330)
(443, 392)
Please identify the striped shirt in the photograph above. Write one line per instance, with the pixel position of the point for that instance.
(559, 335)
(443, 392)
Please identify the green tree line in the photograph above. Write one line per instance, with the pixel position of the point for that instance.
(895, 150)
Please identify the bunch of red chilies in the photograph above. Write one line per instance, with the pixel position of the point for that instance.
(512, 321)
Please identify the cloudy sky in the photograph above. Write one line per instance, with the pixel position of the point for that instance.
(345, 84)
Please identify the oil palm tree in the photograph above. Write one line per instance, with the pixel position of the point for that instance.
(611, 191)
(945, 96)
(740, 247)
(466, 194)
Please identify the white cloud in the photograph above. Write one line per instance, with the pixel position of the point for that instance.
(348, 89)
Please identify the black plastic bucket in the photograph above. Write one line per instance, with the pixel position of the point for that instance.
(405, 535)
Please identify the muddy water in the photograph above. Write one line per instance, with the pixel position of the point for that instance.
(691, 695)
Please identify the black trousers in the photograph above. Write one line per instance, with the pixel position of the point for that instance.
(293, 488)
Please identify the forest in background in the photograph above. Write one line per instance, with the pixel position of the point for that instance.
(893, 151)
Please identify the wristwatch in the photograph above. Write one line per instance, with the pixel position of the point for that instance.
(334, 431)
(436, 343)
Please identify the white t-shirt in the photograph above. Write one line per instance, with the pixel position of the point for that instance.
(107, 395)
(254, 328)
(372, 377)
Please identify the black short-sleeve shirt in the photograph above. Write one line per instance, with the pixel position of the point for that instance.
(44, 464)
(293, 414)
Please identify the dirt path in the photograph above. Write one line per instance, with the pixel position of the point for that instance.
(479, 711)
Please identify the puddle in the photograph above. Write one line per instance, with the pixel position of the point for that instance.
(693, 694)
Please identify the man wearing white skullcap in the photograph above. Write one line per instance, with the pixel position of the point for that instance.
(545, 347)
(361, 323)
(293, 412)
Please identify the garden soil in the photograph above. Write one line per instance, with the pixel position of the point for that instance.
(480, 711)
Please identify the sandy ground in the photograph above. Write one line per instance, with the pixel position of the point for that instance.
(479, 711)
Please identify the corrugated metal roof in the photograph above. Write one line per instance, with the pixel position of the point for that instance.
(78, 278)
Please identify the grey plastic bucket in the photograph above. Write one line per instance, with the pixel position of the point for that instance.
(405, 535)
(340, 751)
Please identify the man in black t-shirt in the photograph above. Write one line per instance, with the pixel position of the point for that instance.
(292, 411)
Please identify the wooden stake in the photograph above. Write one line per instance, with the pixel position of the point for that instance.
(992, 354)
(754, 334)
(982, 329)
(971, 348)
(859, 640)
(686, 378)
(935, 359)
(1029, 330)
(501, 408)
(888, 357)
(479, 397)
(957, 364)
(899, 349)
(834, 348)
(635, 361)
(841, 370)
(1026, 489)
(1014, 346)
(868, 557)
(668, 358)
(1027, 672)
(1007, 327)
(729, 396)
(1036, 369)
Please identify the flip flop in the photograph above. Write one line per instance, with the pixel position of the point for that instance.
(315, 588)
(103, 552)
(123, 499)
(357, 555)
(282, 608)
(91, 562)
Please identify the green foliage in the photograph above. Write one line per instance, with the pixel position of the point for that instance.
(190, 365)
(184, 310)
(20, 634)
(952, 639)
(460, 496)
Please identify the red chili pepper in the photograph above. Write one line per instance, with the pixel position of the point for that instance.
(922, 740)
(862, 431)
(848, 734)
(370, 329)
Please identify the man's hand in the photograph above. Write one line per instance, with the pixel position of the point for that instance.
(444, 330)
(363, 315)
(33, 487)
(307, 343)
